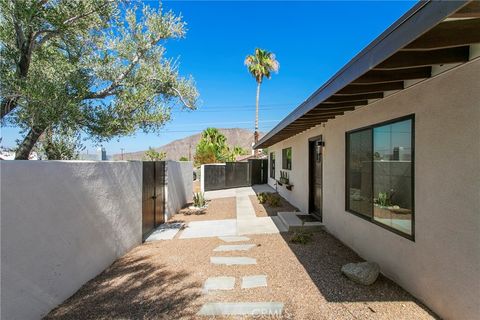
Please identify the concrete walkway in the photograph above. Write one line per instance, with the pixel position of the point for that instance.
(246, 221)
(227, 283)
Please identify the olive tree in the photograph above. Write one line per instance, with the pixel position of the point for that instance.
(98, 67)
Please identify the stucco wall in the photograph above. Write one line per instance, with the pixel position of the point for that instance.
(179, 186)
(441, 267)
(62, 223)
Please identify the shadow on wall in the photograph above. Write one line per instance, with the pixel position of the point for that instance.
(323, 258)
(134, 287)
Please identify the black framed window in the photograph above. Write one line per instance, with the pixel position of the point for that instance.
(287, 159)
(379, 174)
(272, 165)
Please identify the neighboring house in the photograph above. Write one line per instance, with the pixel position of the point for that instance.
(387, 154)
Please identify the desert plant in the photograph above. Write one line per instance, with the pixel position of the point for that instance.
(301, 236)
(383, 199)
(262, 197)
(273, 200)
(199, 199)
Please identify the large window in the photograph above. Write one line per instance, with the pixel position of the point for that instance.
(287, 159)
(379, 174)
(272, 165)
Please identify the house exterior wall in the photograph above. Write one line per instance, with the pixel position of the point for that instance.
(62, 223)
(442, 265)
(179, 186)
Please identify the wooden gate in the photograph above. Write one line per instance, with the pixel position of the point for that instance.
(235, 174)
(153, 197)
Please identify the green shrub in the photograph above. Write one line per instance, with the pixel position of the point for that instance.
(273, 200)
(262, 197)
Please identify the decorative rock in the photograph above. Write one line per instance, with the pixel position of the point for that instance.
(363, 272)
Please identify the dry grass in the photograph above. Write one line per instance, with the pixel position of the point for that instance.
(163, 280)
(264, 210)
(217, 209)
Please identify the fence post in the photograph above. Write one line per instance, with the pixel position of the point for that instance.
(202, 178)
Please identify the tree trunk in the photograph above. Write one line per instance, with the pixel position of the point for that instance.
(24, 149)
(256, 134)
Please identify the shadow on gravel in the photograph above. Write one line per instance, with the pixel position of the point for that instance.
(134, 287)
(323, 258)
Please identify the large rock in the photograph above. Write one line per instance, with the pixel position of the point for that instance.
(363, 272)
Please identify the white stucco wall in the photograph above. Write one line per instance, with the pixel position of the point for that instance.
(62, 223)
(442, 266)
(179, 186)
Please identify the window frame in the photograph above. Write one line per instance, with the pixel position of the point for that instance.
(285, 161)
(347, 191)
(272, 164)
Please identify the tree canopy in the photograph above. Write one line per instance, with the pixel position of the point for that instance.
(153, 155)
(213, 148)
(93, 66)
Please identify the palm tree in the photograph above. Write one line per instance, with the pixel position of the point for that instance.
(260, 65)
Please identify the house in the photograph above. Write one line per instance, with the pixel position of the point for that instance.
(387, 155)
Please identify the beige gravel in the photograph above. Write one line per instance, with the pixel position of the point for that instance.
(264, 210)
(164, 279)
(217, 209)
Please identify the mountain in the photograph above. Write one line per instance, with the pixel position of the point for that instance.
(178, 148)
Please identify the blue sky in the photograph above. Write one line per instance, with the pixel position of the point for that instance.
(312, 40)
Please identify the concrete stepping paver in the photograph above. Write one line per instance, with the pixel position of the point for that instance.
(219, 283)
(234, 247)
(256, 281)
(273, 309)
(210, 228)
(229, 261)
(234, 238)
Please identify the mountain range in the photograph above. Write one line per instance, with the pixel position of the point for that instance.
(186, 147)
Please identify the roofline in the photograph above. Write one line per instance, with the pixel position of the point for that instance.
(420, 18)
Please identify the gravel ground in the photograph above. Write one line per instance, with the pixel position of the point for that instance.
(164, 279)
(217, 209)
(264, 210)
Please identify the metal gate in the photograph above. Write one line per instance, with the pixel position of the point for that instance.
(235, 174)
(153, 196)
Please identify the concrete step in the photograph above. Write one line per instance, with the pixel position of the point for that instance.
(272, 309)
(293, 222)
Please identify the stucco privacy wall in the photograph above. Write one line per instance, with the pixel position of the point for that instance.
(441, 267)
(179, 186)
(62, 223)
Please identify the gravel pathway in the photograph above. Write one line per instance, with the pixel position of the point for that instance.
(165, 279)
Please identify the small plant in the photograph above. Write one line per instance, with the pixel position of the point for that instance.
(383, 199)
(301, 236)
(262, 197)
(273, 200)
(199, 199)
(284, 177)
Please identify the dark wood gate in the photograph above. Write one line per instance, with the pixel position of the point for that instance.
(258, 171)
(153, 196)
(235, 174)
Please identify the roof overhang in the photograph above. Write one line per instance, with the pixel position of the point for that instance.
(431, 33)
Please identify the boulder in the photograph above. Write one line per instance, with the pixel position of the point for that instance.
(363, 272)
